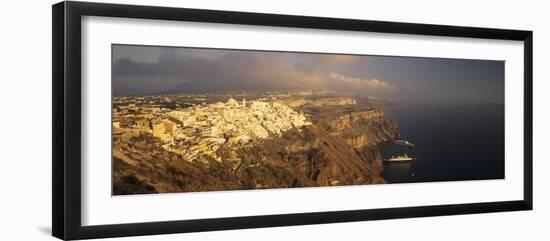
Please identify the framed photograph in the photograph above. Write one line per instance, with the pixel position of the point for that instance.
(169, 120)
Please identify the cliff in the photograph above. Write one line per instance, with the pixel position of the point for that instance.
(363, 128)
(340, 147)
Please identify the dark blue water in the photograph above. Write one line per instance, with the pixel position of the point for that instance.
(451, 143)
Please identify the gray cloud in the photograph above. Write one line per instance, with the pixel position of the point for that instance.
(153, 69)
(236, 70)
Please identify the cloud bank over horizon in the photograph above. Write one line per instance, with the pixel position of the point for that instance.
(149, 70)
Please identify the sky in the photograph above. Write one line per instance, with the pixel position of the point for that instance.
(151, 69)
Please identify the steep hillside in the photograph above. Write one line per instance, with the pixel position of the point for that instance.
(340, 147)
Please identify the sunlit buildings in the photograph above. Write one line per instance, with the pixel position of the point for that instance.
(199, 131)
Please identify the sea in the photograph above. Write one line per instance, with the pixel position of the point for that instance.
(451, 143)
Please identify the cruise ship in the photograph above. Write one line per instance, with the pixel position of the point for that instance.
(400, 158)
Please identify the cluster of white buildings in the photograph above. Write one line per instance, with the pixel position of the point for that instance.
(202, 130)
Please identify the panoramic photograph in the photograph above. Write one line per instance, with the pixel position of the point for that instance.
(202, 119)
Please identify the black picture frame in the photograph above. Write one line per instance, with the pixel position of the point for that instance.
(66, 128)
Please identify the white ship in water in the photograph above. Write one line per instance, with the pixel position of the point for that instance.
(400, 158)
(405, 157)
(403, 143)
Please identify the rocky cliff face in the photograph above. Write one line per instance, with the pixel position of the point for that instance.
(339, 148)
(363, 128)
